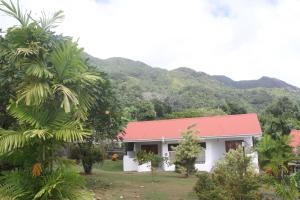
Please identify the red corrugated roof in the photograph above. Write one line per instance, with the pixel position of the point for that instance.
(216, 126)
(295, 134)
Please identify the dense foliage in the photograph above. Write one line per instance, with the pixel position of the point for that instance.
(233, 178)
(50, 91)
(275, 152)
(280, 117)
(106, 120)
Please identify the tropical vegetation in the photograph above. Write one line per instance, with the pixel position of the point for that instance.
(233, 178)
(50, 89)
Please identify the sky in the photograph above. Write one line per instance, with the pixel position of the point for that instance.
(242, 39)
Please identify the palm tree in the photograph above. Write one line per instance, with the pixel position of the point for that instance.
(54, 92)
(275, 154)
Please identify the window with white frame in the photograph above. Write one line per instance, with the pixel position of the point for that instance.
(201, 157)
(171, 150)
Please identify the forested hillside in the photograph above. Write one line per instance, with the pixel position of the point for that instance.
(184, 88)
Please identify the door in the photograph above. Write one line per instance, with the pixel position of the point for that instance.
(232, 144)
(150, 148)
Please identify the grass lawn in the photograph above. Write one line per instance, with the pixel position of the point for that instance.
(109, 182)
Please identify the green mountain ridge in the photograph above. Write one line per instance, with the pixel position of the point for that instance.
(266, 82)
(185, 88)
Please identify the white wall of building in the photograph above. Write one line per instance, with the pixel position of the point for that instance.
(215, 150)
(128, 162)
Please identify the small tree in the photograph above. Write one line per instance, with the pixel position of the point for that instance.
(88, 153)
(275, 154)
(187, 151)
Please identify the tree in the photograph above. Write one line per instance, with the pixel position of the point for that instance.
(88, 153)
(233, 178)
(280, 118)
(145, 111)
(53, 93)
(187, 151)
(161, 108)
(106, 120)
(106, 114)
(275, 154)
(233, 108)
(201, 112)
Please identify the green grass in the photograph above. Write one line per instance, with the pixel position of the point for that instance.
(113, 166)
(109, 182)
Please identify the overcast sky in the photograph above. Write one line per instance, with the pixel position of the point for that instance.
(243, 39)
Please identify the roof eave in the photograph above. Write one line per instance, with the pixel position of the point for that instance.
(177, 139)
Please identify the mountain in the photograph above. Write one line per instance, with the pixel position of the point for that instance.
(185, 88)
(264, 82)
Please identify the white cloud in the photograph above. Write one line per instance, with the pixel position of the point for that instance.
(239, 38)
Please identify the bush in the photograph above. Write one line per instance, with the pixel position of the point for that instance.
(233, 176)
(61, 184)
(206, 188)
(142, 157)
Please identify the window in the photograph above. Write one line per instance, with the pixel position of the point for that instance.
(129, 146)
(172, 154)
(203, 145)
(150, 148)
(201, 158)
(233, 144)
(171, 147)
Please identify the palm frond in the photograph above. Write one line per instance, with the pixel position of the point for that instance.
(11, 187)
(69, 97)
(25, 52)
(67, 61)
(38, 70)
(34, 93)
(38, 133)
(15, 11)
(52, 183)
(89, 78)
(51, 22)
(58, 118)
(63, 184)
(10, 140)
(70, 132)
(29, 114)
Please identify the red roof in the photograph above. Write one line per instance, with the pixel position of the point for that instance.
(216, 126)
(295, 134)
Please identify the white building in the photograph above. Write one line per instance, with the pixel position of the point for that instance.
(217, 135)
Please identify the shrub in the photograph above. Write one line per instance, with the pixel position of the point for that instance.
(61, 184)
(233, 176)
(142, 157)
(206, 188)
